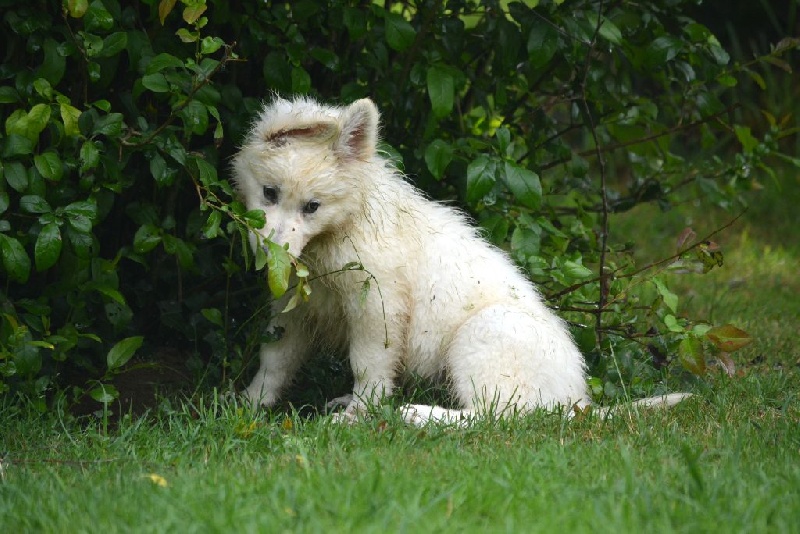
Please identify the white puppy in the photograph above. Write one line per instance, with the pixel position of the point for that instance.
(448, 304)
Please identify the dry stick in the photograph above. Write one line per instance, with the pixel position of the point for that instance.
(669, 131)
(649, 266)
(189, 98)
(601, 302)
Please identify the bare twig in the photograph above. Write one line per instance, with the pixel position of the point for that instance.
(189, 98)
(603, 188)
(651, 265)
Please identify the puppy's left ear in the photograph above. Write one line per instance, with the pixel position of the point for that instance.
(359, 135)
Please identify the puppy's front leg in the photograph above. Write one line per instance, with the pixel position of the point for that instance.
(279, 362)
(374, 367)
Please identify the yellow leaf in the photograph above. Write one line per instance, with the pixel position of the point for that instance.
(158, 480)
(728, 338)
(287, 424)
(70, 115)
(164, 9)
(193, 12)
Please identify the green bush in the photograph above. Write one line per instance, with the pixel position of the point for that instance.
(117, 224)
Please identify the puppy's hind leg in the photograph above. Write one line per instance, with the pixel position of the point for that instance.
(504, 360)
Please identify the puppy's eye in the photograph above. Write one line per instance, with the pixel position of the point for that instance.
(271, 194)
(311, 206)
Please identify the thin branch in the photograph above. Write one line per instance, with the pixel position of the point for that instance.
(189, 98)
(649, 266)
(601, 302)
(616, 146)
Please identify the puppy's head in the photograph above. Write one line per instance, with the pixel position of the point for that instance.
(304, 164)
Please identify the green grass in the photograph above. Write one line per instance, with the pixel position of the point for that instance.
(727, 460)
(757, 288)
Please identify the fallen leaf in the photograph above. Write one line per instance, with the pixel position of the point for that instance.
(158, 480)
(728, 338)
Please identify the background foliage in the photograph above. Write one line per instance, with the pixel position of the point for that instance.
(118, 229)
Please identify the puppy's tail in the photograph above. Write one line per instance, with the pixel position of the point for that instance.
(662, 401)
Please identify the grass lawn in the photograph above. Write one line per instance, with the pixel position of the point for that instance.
(727, 460)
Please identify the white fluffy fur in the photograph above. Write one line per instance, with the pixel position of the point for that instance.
(453, 304)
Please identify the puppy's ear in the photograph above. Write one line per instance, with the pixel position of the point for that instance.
(313, 131)
(359, 135)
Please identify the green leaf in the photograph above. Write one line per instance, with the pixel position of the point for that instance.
(209, 45)
(104, 393)
(43, 88)
(161, 172)
(85, 208)
(30, 124)
(34, 204)
(662, 50)
(301, 80)
(147, 237)
(161, 62)
(213, 315)
(438, 156)
(110, 125)
(608, 30)
(497, 228)
(481, 176)
(279, 269)
(524, 184)
(255, 218)
(70, 116)
(526, 240)
(691, 354)
(187, 36)
(194, 11)
(4, 202)
(15, 259)
(441, 90)
(98, 18)
(48, 247)
(49, 166)
(16, 176)
(207, 173)
(670, 298)
(165, 7)
(745, 137)
(180, 249)
(89, 155)
(728, 338)
(156, 82)
(54, 65)
(123, 351)
(195, 117)
(114, 44)
(576, 271)
(8, 95)
(400, 33)
(211, 228)
(672, 323)
(18, 145)
(111, 293)
(542, 44)
(81, 215)
(77, 8)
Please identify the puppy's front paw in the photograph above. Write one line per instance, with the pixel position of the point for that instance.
(257, 398)
(339, 402)
(355, 410)
(344, 418)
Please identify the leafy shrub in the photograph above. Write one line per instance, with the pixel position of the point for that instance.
(540, 118)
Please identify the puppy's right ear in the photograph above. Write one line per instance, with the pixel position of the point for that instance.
(311, 132)
(359, 135)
